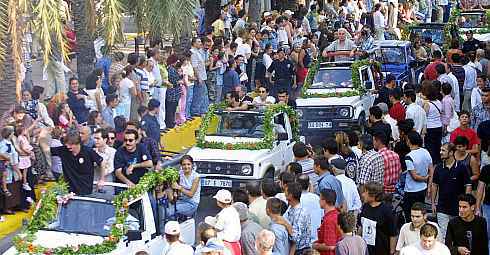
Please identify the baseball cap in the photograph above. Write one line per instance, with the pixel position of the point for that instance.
(213, 244)
(288, 12)
(172, 228)
(223, 196)
(338, 163)
(153, 103)
(267, 14)
(383, 107)
(242, 210)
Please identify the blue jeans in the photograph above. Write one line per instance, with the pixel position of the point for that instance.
(188, 101)
(200, 100)
(486, 213)
(186, 206)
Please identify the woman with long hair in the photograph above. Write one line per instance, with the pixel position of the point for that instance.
(346, 152)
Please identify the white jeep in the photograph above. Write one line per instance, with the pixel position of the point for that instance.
(87, 220)
(236, 150)
(333, 102)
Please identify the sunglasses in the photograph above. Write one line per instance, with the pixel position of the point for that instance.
(111, 137)
(262, 91)
(129, 140)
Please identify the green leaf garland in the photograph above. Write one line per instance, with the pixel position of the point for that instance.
(47, 210)
(265, 143)
(356, 80)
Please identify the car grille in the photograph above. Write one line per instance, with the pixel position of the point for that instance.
(223, 168)
(322, 113)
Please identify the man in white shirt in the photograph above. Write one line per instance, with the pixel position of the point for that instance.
(175, 247)
(263, 98)
(428, 244)
(107, 153)
(379, 22)
(469, 84)
(444, 77)
(227, 221)
(388, 119)
(311, 203)
(476, 93)
(257, 204)
(414, 111)
(410, 232)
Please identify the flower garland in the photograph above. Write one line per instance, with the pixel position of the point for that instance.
(265, 143)
(48, 209)
(356, 80)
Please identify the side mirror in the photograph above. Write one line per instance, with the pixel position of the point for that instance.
(134, 235)
(282, 136)
(368, 84)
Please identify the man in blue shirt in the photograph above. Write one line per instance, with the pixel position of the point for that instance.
(150, 123)
(327, 180)
(273, 209)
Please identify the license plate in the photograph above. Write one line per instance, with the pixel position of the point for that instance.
(216, 183)
(323, 124)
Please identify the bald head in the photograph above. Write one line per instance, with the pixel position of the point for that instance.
(85, 134)
(265, 241)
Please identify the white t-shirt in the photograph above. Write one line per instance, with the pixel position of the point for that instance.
(417, 114)
(108, 158)
(245, 50)
(350, 192)
(267, 60)
(420, 162)
(475, 97)
(178, 248)
(124, 91)
(228, 225)
(379, 20)
(416, 249)
(434, 114)
(408, 236)
(268, 100)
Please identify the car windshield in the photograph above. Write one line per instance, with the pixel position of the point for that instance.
(93, 214)
(237, 124)
(391, 55)
(436, 34)
(474, 20)
(332, 78)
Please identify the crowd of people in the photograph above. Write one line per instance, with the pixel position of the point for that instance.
(425, 143)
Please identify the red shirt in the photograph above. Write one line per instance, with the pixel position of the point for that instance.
(430, 72)
(468, 133)
(397, 112)
(392, 169)
(327, 233)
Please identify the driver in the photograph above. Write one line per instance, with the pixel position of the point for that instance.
(340, 49)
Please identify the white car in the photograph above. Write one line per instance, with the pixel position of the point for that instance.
(332, 103)
(88, 219)
(233, 168)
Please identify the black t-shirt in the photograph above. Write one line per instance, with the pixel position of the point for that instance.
(384, 95)
(451, 183)
(470, 45)
(485, 178)
(384, 219)
(124, 158)
(380, 126)
(283, 71)
(459, 233)
(78, 170)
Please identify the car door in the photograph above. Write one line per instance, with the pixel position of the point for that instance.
(366, 75)
(288, 148)
(153, 242)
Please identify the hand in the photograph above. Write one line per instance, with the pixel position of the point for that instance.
(463, 250)
(130, 184)
(100, 184)
(129, 170)
(477, 211)
(175, 186)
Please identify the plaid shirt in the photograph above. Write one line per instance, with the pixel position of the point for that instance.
(173, 93)
(479, 114)
(371, 168)
(300, 219)
(327, 233)
(392, 169)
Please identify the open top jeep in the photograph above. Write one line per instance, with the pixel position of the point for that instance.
(476, 21)
(397, 58)
(335, 97)
(236, 147)
(435, 31)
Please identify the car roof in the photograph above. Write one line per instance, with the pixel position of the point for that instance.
(392, 43)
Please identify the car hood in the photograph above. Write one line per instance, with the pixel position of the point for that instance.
(326, 101)
(242, 156)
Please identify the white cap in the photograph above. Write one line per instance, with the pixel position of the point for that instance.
(210, 220)
(288, 12)
(223, 196)
(266, 14)
(172, 228)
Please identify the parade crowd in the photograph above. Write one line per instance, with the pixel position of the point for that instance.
(413, 183)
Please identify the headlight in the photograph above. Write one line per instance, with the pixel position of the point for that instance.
(300, 112)
(246, 169)
(344, 112)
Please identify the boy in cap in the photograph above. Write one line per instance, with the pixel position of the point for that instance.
(172, 234)
(227, 221)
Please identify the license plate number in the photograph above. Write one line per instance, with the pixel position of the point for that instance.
(323, 124)
(216, 183)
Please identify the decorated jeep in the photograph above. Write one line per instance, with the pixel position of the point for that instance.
(236, 147)
(397, 58)
(435, 31)
(100, 223)
(336, 97)
(475, 21)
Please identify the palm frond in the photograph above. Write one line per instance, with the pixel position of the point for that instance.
(171, 16)
(4, 30)
(91, 14)
(49, 29)
(112, 13)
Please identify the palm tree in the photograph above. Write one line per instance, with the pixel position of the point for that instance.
(254, 10)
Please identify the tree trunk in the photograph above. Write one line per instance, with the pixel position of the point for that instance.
(254, 11)
(85, 40)
(212, 10)
(8, 83)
